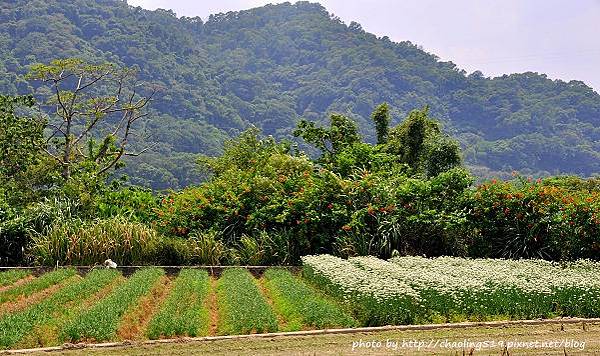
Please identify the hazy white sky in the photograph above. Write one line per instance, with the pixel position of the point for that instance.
(558, 37)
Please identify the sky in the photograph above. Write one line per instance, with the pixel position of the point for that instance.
(560, 38)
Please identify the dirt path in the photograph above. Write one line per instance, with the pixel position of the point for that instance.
(443, 341)
(213, 307)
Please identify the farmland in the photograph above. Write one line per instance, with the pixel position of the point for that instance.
(329, 292)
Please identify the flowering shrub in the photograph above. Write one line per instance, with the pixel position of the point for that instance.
(527, 218)
(324, 212)
(263, 201)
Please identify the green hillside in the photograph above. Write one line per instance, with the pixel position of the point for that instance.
(273, 65)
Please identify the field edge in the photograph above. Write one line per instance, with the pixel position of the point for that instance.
(282, 335)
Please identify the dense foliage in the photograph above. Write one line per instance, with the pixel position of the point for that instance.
(273, 65)
(266, 202)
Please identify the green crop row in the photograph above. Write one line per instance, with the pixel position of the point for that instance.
(301, 305)
(36, 285)
(13, 327)
(184, 311)
(102, 320)
(11, 276)
(242, 307)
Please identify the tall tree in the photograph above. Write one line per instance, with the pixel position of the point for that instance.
(381, 117)
(95, 107)
(419, 142)
(342, 132)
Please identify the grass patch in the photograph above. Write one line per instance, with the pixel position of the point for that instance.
(36, 285)
(48, 333)
(13, 327)
(9, 277)
(134, 324)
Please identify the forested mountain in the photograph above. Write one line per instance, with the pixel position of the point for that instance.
(273, 65)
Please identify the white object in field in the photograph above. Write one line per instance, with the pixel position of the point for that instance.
(110, 264)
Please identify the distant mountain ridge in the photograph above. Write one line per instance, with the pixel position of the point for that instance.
(272, 65)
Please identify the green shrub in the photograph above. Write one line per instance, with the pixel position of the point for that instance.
(17, 226)
(206, 249)
(136, 204)
(523, 218)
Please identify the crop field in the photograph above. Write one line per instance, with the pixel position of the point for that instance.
(62, 306)
(446, 289)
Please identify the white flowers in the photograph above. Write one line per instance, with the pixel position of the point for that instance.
(448, 286)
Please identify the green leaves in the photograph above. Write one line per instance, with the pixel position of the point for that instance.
(21, 137)
(341, 133)
(59, 69)
(381, 117)
(420, 143)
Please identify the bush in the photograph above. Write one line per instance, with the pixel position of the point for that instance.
(137, 204)
(523, 218)
(17, 226)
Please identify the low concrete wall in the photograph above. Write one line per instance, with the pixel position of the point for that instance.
(170, 270)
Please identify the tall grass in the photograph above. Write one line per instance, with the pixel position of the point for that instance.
(88, 243)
